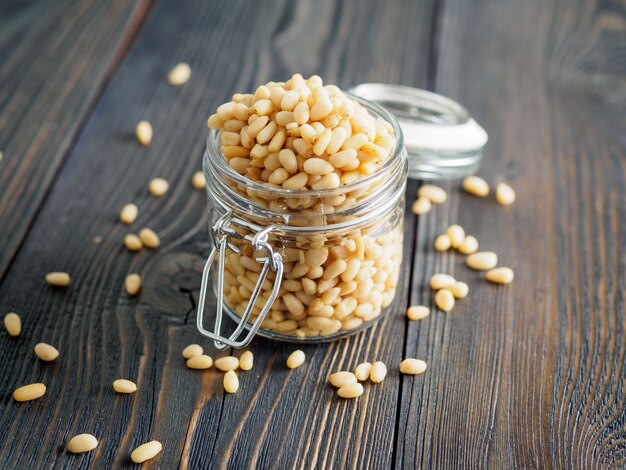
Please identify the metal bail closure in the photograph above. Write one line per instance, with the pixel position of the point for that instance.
(223, 230)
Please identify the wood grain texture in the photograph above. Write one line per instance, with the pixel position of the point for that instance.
(530, 375)
(103, 335)
(54, 60)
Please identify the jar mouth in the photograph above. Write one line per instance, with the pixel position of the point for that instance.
(214, 160)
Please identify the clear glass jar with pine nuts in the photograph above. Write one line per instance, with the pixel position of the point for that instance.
(311, 263)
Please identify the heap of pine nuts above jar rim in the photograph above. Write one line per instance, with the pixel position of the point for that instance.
(301, 135)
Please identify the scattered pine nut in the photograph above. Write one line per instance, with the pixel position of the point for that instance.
(146, 451)
(505, 195)
(128, 214)
(444, 300)
(417, 312)
(456, 235)
(192, 350)
(200, 362)
(29, 392)
(124, 386)
(353, 390)
(82, 443)
(133, 284)
(149, 238)
(412, 366)
(227, 363)
(362, 371)
(342, 378)
(179, 75)
(476, 186)
(442, 242)
(378, 372)
(439, 281)
(482, 261)
(198, 180)
(296, 359)
(421, 206)
(143, 131)
(158, 187)
(246, 360)
(435, 194)
(58, 279)
(132, 242)
(231, 381)
(46, 352)
(500, 275)
(459, 289)
(469, 245)
(13, 324)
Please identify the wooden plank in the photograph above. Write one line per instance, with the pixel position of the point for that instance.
(54, 61)
(529, 375)
(294, 418)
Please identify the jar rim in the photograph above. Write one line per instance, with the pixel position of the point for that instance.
(212, 148)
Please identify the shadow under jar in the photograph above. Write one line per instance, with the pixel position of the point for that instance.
(304, 266)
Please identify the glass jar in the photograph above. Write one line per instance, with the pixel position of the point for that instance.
(305, 266)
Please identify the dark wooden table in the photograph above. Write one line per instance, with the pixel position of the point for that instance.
(530, 375)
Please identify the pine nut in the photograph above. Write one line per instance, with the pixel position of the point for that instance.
(198, 180)
(439, 281)
(179, 75)
(482, 261)
(143, 131)
(444, 300)
(128, 214)
(317, 166)
(124, 386)
(158, 187)
(146, 451)
(192, 350)
(476, 186)
(58, 279)
(13, 324)
(500, 275)
(459, 289)
(456, 235)
(296, 359)
(246, 360)
(469, 245)
(82, 443)
(421, 206)
(412, 366)
(417, 312)
(505, 195)
(351, 391)
(201, 361)
(227, 363)
(29, 392)
(46, 352)
(339, 379)
(149, 238)
(133, 284)
(231, 381)
(442, 242)
(378, 372)
(435, 194)
(362, 371)
(132, 242)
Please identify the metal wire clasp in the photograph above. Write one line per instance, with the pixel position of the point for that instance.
(222, 231)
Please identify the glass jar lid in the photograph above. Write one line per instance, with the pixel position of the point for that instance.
(442, 140)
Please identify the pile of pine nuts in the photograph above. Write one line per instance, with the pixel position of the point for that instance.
(301, 135)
